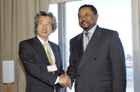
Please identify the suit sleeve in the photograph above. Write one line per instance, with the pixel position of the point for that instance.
(61, 65)
(28, 59)
(117, 59)
(70, 70)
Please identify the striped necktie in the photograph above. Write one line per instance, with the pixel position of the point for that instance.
(87, 40)
(48, 53)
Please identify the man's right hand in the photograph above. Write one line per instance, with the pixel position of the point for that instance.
(64, 80)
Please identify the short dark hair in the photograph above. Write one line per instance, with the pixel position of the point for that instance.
(91, 6)
(43, 13)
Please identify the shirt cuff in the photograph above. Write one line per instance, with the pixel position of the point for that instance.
(56, 80)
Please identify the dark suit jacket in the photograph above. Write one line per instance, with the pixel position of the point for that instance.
(101, 68)
(34, 59)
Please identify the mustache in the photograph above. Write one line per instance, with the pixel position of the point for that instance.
(84, 21)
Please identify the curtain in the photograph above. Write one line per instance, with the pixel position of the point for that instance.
(16, 24)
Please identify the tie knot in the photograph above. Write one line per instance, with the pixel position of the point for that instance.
(87, 34)
(44, 44)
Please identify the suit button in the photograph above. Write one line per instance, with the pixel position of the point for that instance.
(90, 74)
(75, 61)
(48, 81)
(78, 75)
(91, 88)
(94, 58)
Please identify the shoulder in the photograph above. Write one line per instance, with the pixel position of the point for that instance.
(27, 41)
(77, 37)
(52, 43)
(106, 31)
(110, 34)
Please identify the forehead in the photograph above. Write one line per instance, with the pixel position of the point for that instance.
(85, 10)
(44, 18)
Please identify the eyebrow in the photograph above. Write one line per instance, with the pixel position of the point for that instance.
(42, 21)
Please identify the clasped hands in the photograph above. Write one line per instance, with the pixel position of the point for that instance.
(64, 80)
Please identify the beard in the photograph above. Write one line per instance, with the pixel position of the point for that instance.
(87, 27)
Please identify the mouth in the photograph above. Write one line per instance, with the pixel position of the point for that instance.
(44, 32)
(84, 22)
(85, 25)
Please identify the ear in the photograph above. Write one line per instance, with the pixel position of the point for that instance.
(36, 27)
(96, 16)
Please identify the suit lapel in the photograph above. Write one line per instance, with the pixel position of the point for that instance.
(93, 43)
(79, 45)
(40, 51)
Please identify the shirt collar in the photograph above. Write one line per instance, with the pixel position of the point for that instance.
(41, 40)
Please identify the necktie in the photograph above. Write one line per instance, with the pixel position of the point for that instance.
(49, 58)
(48, 54)
(87, 39)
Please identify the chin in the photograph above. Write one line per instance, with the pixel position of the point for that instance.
(85, 28)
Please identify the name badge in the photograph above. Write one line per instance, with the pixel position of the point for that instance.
(52, 68)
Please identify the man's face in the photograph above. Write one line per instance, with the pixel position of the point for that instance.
(87, 19)
(44, 27)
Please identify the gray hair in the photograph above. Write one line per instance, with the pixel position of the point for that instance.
(43, 13)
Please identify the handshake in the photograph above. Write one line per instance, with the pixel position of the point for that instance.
(64, 80)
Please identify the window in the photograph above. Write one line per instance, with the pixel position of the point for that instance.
(54, 36)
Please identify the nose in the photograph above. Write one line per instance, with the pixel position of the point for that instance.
(83, 18)
(44, 26)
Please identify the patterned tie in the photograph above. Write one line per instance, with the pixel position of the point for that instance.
(87, 39)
